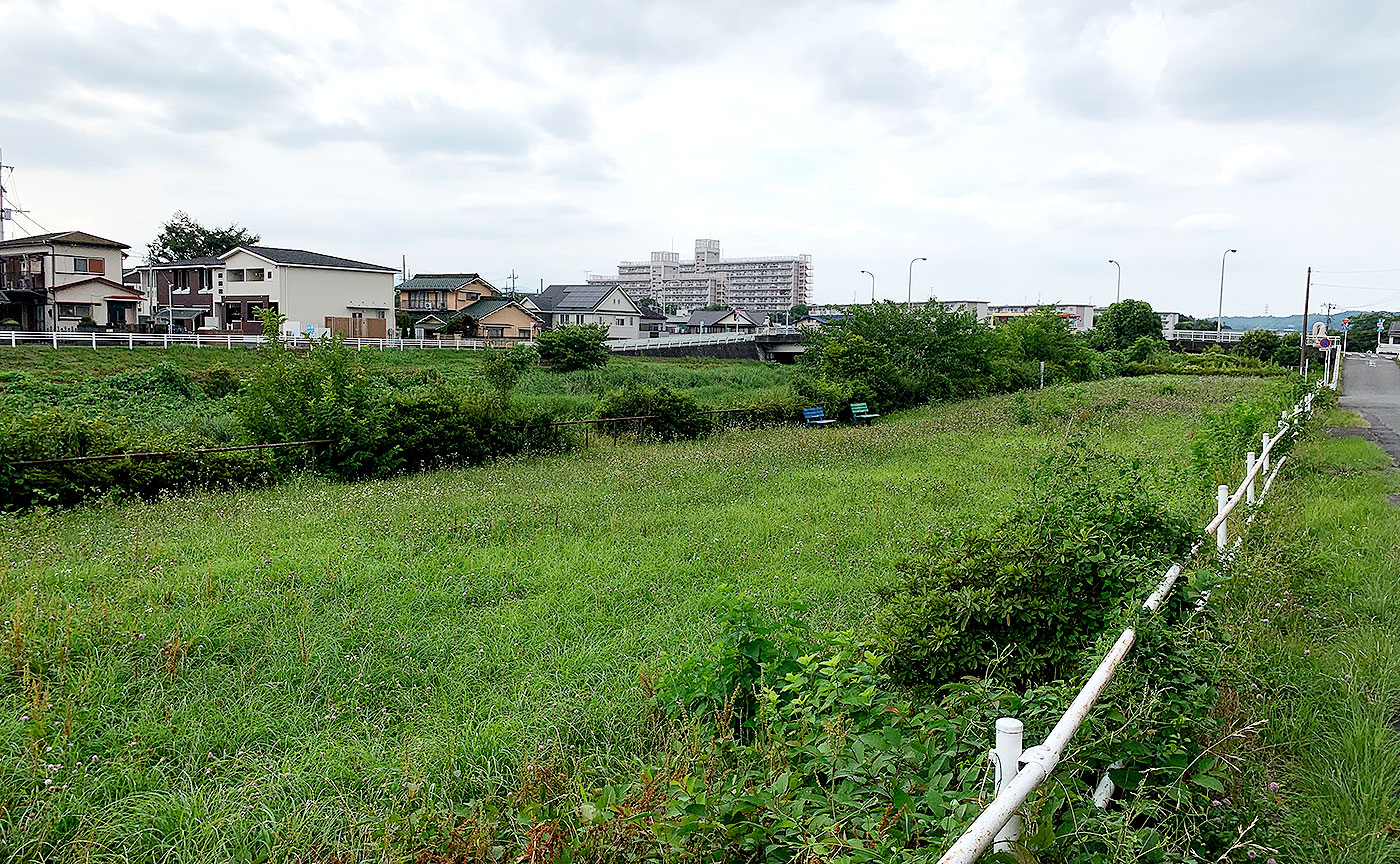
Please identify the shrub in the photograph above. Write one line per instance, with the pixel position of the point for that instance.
(1261, 345)
(670, 415)
(441, 426)
(324, 394)
(1020, 597)
(216, 382)
(501, 373)
(575, 347)
(1124, 322)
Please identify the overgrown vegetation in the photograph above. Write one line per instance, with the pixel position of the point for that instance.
(448, 665)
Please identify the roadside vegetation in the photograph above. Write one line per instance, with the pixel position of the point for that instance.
(638, 653)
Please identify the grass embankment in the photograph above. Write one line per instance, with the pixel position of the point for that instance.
(33, 378)
(295, 668)
(1311, 627)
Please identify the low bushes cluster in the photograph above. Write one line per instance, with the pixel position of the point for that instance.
(668, 415)
(1020, 597)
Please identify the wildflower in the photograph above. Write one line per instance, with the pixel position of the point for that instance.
(1273, 787)
(1307, 651)
(1253, 854)
(1215, 802)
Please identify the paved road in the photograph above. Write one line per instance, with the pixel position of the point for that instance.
(1371, 385)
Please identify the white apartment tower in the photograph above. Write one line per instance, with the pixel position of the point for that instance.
(752, 284)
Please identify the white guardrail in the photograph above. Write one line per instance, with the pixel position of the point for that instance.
(679, 341)
(1019, 772)
(96, 339)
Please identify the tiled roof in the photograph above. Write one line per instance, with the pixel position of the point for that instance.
(68, 238)
(485, 307)
(301, 257)
(439, 281)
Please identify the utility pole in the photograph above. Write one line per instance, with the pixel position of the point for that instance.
(1329, 307)
(4, 214)
(512, 283)
(1303, 338)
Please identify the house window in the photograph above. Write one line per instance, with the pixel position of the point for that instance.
(235, 275)
(80, 265)
(622, 322)
(253, 275)
(74, 310)
(233, 312)
(181, 280)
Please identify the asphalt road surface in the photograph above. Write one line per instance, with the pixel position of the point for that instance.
(1371, 385)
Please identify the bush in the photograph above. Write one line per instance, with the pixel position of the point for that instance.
(670, 415)
(440, 426)
(1019, 598)
(575, 347)
(216, 382)
(1124, 322)
(324, 394)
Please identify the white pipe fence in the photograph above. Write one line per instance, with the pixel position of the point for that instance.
(95, 339)
(1017, 776)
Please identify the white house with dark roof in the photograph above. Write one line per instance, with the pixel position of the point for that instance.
(592, 303)
(56, 280)
(309, 288)
(721, 321)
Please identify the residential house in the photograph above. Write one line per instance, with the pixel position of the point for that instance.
(182, 294)
(721, 321)
(430, 299)
(812, 322)
(311, 289)
(1389, 341)
(56, 280)
(979, 308)
(650, 322)
(591, 303)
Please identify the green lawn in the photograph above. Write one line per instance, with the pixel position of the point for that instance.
(292, 668)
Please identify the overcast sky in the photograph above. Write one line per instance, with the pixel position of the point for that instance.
(1017, 145)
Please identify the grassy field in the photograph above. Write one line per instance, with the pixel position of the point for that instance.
(292, 669)
(109, 382)
(1310, 624)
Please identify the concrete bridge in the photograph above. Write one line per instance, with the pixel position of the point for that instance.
(782, 345)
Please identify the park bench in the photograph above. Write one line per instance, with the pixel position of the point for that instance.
(860, 413)
(816, 416)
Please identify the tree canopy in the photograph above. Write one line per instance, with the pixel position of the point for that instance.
(1124, 322)
(181, 238)
(1361, 333)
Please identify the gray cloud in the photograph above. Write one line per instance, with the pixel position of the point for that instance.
(1082, 85)
(869, 68)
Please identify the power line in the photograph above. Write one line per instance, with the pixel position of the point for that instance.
(1355, 287)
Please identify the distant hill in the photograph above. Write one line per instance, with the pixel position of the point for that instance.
(1283, 322)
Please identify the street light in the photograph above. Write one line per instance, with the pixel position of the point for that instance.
(1118, 294)
(872, 285)
(909, 296)
(1220, 310)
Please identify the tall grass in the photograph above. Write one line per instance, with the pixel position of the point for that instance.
(309, 669)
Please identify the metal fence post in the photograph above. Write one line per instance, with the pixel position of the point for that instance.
(1006, 759)
(1249, 459)
(1222, 533)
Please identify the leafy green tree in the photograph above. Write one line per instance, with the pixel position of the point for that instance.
(1045, 336)
(864, 367)
(181, 238)
(502, 369)
(715, 307)
(1186, 322)
(577, 346)
(1262, 345)
(798, 311)
(1124, 322)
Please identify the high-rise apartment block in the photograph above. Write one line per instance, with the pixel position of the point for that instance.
(752, 284)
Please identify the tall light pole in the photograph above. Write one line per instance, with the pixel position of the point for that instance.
(1118, 294)
(909, 296)
(872, 285)
(1220, 310)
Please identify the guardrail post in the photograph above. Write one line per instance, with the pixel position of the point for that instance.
(1006, 759)
(1249, 472)
(165, 341)
(55, 339)
(130, 341)
(1222, 533)
(94, 340)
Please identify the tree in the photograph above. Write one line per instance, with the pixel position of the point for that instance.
(577, 346)
(1186, 322)
(502, 369)
(1262, 345)
(715, 307)
(799, 311)
(1045, 336)
(649, 303)
(181, 238)
(1122, 323)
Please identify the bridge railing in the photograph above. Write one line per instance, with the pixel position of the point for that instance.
(683, 341)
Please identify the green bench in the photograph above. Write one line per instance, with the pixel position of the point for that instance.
(860, 413)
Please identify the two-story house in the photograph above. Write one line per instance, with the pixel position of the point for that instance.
(430, 299)
(183, 293)
(591, 303)
(312, 290)
(58, 280)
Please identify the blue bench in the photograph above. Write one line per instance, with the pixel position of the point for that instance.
(816, 416)
(860, 413)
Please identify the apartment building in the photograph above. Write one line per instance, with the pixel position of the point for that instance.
(1079, 315)
(756, 284)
